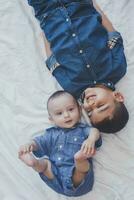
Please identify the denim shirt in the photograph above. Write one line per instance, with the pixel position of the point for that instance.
(60, 144)
(81, 57)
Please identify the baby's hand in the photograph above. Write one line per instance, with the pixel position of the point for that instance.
(27, 148)
(88, 147)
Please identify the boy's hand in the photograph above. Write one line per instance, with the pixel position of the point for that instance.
(88, 147)
(27, 148)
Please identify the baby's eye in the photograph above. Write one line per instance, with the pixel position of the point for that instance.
(71, 109)
(59, 113)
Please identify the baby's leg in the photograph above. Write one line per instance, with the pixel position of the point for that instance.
(82, 166)
(42, 165)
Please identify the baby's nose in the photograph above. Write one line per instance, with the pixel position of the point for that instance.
(66, 114)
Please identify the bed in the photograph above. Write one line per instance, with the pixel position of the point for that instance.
(26, 84)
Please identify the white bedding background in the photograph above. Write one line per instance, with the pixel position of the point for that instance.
(25, 85)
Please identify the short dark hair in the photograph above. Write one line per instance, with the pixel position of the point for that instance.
(117, 122)
(59, 93)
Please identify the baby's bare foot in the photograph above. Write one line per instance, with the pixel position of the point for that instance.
(80, 156)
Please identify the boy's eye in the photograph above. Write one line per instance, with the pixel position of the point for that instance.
(100, 105)
(89, 113)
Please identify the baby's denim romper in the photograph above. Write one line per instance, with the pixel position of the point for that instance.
(81, 57)
(60, 145)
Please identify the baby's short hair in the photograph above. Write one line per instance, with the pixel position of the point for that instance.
(58, 94)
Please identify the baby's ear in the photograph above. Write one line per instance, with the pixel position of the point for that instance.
(118, 96)
(50, 119)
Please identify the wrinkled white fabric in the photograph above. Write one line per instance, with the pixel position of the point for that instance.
(25, 85)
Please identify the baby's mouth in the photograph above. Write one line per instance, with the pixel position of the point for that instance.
(68, 121)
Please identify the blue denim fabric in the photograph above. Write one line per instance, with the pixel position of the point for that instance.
(81, 57)
(60, 145)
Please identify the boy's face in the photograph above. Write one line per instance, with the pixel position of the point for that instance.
(64, 111)
(99, 102)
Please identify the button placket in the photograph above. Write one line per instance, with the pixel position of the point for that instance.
(73, 34)
(88, 65)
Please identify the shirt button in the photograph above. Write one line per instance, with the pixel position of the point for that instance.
(73, 34)
(75, 139)
(81, 51)
(88, 66)
(59, 158)
(95, 82)
(67, 19)
(60, 146)
(109, 84)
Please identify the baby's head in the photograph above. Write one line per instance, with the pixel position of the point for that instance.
(106, 109)
(63, 109)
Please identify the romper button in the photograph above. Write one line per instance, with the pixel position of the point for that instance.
(75, 139)
(59, 158)
(67, 19)
(73, 34)
(95, 82)
(88, 66)
(81, 51)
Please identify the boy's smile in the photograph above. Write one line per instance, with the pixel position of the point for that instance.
(99, 102)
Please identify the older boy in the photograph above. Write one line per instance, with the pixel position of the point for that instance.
(86, 53)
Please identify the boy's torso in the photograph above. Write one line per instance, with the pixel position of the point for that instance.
(79, 44)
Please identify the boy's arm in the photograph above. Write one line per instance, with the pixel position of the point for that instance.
(47, 46)
(94, 134)
(89, 145)
(105, 21)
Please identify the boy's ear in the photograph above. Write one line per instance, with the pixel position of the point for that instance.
(118, 96)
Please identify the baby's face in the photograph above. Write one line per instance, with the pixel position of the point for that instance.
(64, 111)
(99, 103)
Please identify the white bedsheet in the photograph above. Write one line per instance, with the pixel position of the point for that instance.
(25, 85)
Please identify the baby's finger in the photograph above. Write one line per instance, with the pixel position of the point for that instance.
(31, 148)
(28, 148)
(20, 153)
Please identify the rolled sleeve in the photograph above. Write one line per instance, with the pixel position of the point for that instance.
(113, 34)
(52, 63)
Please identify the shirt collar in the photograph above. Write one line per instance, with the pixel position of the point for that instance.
(81, 125)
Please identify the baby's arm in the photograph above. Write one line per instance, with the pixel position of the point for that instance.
(105, 21)
(88, 146)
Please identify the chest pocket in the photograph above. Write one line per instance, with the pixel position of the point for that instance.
(74, 143)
